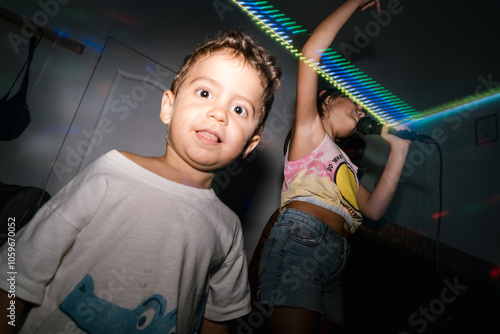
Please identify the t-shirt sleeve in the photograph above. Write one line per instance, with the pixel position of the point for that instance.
(40, 246)
(229, 291)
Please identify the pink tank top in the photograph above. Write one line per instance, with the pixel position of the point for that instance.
(325, 177)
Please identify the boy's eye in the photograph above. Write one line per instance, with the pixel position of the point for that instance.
(240, 110)
(204, 93)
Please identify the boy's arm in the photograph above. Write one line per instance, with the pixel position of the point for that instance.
(306, 121)
(46, 239)
(374, 205)
(211, 327)
(7, 304)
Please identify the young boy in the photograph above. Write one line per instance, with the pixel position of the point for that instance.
(142, 243)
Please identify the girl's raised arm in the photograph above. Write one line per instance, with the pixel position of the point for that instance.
(307, 123)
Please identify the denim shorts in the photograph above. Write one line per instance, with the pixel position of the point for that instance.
(301, 264)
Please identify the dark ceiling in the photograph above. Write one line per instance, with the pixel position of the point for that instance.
(426, 52)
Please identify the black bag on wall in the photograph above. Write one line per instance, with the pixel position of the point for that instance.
(18, 205)
(14, 112)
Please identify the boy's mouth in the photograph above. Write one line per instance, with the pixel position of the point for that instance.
(208, 136)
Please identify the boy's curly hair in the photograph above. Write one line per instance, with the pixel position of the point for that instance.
(255, 55)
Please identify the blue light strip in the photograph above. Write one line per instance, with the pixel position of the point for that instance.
(334, 68)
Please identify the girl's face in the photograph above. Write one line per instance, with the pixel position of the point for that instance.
(342, 115)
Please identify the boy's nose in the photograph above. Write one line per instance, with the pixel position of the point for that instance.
(218, 114)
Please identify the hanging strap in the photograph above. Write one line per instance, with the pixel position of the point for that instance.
(27, 64)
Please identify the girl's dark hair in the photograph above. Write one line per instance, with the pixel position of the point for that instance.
(324, 96)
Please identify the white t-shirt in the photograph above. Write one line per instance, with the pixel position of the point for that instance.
(121, 248)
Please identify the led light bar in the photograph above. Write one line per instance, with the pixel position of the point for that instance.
(334, 68)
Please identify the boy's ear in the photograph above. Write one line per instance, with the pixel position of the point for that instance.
(167, 106)
(252, 143)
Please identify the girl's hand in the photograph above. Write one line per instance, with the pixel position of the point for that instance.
(365, 4)
(395, 140)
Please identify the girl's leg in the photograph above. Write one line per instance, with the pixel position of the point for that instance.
(328, 328)
(291, 320)
(299, 258)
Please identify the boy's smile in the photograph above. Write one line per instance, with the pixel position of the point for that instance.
(215, 113)
(208, 136)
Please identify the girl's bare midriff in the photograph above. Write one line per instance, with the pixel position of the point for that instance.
(333, 220)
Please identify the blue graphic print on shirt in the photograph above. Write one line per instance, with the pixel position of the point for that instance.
(96, 315)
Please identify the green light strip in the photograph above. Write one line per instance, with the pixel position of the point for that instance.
(374, 98)
(348, 77)
(459, 102)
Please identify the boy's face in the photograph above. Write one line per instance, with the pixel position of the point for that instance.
(214, 115)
